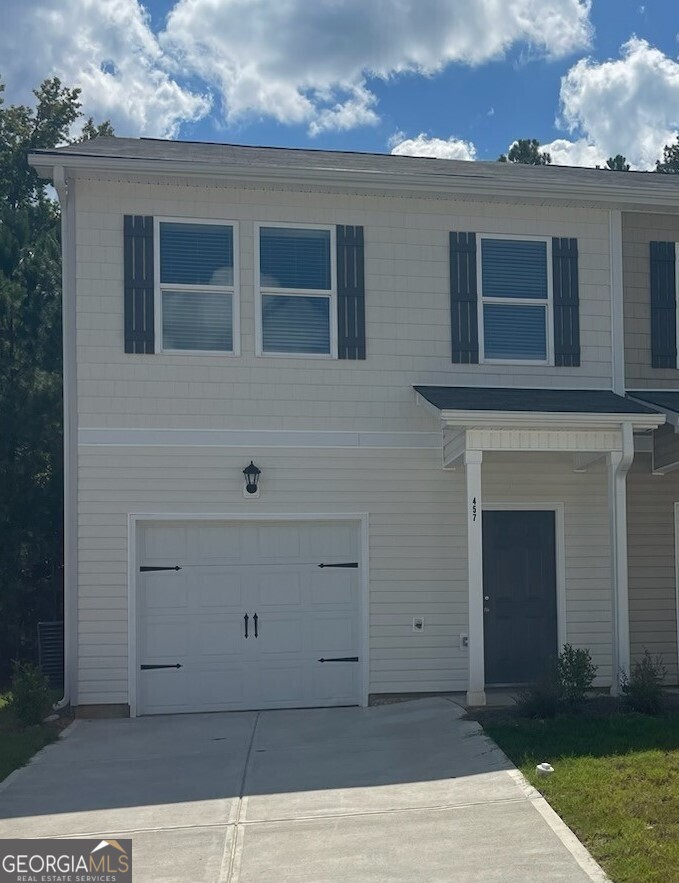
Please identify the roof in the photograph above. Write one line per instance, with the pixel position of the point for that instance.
(666, 400)
(203, 156)
(548, 401)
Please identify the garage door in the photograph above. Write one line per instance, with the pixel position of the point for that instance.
(235, 616)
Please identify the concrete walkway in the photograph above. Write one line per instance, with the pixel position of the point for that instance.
(402, 792)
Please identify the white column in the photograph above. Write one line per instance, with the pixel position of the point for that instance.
(476, 694)
(619, 463)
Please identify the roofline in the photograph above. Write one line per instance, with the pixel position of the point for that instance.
(46, 161)
(671, 416)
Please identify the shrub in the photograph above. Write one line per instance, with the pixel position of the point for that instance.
(540, 699)
(643, 689)
(575, 673)
(29, 693)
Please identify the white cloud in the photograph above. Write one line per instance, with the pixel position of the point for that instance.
(307, 62)
(575, 153)
(424, 145)
(106, 47)
(629, 105)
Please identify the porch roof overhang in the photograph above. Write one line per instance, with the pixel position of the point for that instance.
(664, 401)
(589, 423)
(665, 444)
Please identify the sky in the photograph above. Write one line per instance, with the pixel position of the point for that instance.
(458, 79)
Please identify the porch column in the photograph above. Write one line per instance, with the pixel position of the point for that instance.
(476, 694)
(619, 463)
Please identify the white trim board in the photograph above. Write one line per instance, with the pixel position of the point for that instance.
(559, 510)
(264, 438)
(134, 520)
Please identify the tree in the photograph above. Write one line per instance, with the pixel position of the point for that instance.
(30, 368)
(617, 163)
(669, 165)
(526, 151)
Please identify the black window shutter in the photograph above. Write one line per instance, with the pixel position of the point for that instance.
(663, 306)
(464, 321)
(139, 289)
(566, 303)
(350, 293)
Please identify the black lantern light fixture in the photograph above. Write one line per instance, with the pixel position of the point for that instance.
(251, 474)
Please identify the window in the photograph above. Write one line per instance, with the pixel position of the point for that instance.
(515, 301)
(196, 302)
(297, 291)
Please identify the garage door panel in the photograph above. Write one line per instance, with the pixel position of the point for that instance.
(194, 617)
(164, 640)
(333, 587)
(164, 591)
(279, 588)
(164, 542)
(333, 635)
(222, 589)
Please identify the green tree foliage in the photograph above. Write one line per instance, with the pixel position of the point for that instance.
(617, 163)
(669, 164)
(527, 152)
(30, 368)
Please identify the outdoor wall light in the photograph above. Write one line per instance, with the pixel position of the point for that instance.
(251, 474)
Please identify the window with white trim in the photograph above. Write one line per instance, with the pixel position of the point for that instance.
(515, 302)
(297, 290)
(196, 287)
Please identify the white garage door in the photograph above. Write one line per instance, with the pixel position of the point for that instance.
(238, 616)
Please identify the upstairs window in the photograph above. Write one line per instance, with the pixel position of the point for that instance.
(196, 274)
(297, 290)
(515, 302)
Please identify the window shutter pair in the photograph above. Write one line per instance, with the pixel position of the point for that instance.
(663, 305)
(139, 288)
(464, 299)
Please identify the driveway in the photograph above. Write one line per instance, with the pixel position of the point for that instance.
(401, 792)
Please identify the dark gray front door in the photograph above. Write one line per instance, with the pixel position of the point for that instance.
(519, 588)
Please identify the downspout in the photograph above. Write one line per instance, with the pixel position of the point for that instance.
(70, 572)
(619, 465)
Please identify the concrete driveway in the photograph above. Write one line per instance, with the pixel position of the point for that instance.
(402, 792)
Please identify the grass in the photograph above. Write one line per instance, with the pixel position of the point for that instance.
(18, 743)
(616, 785)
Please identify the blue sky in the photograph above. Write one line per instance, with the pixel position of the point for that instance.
(441, 77)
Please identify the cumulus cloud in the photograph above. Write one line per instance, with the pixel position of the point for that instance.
(424, 145)
(302, 62)
(628, 105)
(106, 47)
(576, 153)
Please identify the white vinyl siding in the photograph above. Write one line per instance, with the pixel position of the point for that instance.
(196, 273)
(515, 302)
(651, 503)
(417, 544)
(296, 283)
(407, 279)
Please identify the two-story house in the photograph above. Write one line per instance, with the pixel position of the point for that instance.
(340, 425)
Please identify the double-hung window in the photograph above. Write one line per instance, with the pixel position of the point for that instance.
(297, 290)
(196, 286)
(515, 303)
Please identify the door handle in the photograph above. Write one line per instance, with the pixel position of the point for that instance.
(255, 619)
(246, 618)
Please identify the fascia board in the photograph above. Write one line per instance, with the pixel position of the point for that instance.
(472, 185)
(538, 420)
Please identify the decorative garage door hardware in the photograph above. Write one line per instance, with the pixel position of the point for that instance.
(255, 619)
(147, 569)
(348, 564)
(341, 659)
(147, 667)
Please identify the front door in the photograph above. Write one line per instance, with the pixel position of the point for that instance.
(519, 589)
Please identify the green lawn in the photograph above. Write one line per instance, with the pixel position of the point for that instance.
(18, 744)
(616, 785)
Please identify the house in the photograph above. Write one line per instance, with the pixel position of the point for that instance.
(340, 425)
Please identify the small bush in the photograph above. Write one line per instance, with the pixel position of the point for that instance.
(575, 673)
(643, 689)
(29, 693)
(540, 699)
